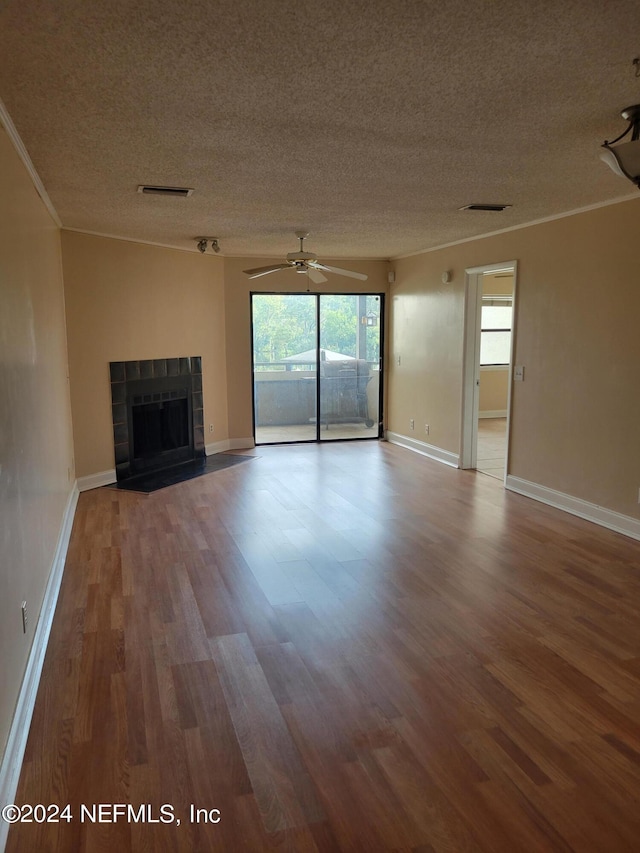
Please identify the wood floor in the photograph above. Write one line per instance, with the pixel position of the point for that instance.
(339, 647)
(307, 432)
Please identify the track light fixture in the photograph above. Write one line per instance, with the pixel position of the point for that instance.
(202, 243)
(624, 159)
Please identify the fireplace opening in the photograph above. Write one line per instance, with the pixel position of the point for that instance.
(159, 428)
(160, 422)
(157, 414)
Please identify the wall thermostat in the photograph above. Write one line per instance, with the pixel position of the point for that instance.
(446, 276)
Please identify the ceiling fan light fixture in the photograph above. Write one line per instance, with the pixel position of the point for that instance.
(304, 262)
(624, 159)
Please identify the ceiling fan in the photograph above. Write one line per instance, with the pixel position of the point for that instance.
(304, 262)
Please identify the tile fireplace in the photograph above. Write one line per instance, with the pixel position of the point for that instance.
(157, 412)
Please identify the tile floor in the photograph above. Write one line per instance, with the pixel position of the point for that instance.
(492, 446)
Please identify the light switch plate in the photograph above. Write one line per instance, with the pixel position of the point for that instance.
(518, 373)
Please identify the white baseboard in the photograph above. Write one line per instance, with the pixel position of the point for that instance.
(106, 478)
(19, 731)
(217, 447)
(493, 413)
(229, 444)
(425, 449)
(94, 481)
(241, 443)
(624, 524)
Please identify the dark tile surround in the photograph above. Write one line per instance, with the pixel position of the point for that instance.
(124, 372)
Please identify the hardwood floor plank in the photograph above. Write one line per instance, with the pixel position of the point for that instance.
(266, 570)
(344, 647)
(437, 823)
(284, 792)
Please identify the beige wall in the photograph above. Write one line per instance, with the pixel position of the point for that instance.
(575, 417)
(494, 389)
(131, 301)
(36, 447)
(238, 307)
(497, 284)
(424, 352)
(128, 301)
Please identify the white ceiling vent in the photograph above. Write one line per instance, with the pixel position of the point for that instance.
(177, 192)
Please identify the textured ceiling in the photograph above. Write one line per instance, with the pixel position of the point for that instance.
(368, 123)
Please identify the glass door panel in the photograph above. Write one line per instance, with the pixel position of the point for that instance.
(285, 340)
(316, 366)
(349, 366)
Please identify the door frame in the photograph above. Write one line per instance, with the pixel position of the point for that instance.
(317, 294)
(471, 361)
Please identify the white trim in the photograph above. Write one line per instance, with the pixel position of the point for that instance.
(217, 447)
(19, 731)
(106, 478)
(229, 444)
(530, 224)
(471, 368)
(424, 449)
(94, 481)
(141, 242)
(195, 249)
(241, 443)
(326, 259)
(624, 524)
(505, 266)
(489, 368)
(23, 154)
(493, 413)
(470, 399)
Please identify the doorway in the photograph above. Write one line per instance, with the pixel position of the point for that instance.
(487, 370)
(317, 366)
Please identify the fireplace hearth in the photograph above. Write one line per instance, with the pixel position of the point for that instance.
(158, 418)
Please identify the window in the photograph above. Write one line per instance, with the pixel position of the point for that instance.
(495, 330)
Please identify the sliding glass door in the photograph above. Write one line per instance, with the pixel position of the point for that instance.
(349, 365)
(316, 366)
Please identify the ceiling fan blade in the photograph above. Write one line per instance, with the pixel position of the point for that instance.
(258, 271)
(338, 271)
(316, 276)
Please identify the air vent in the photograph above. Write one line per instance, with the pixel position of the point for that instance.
(492, 208)
(179, 192)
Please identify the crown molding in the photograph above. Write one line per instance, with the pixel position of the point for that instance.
(23, 154)
(533, 222)
(136, 240)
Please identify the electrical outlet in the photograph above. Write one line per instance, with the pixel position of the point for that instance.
(398, 360)
(210, 427)
(25, 618)
(426, 429)
(411, 423)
